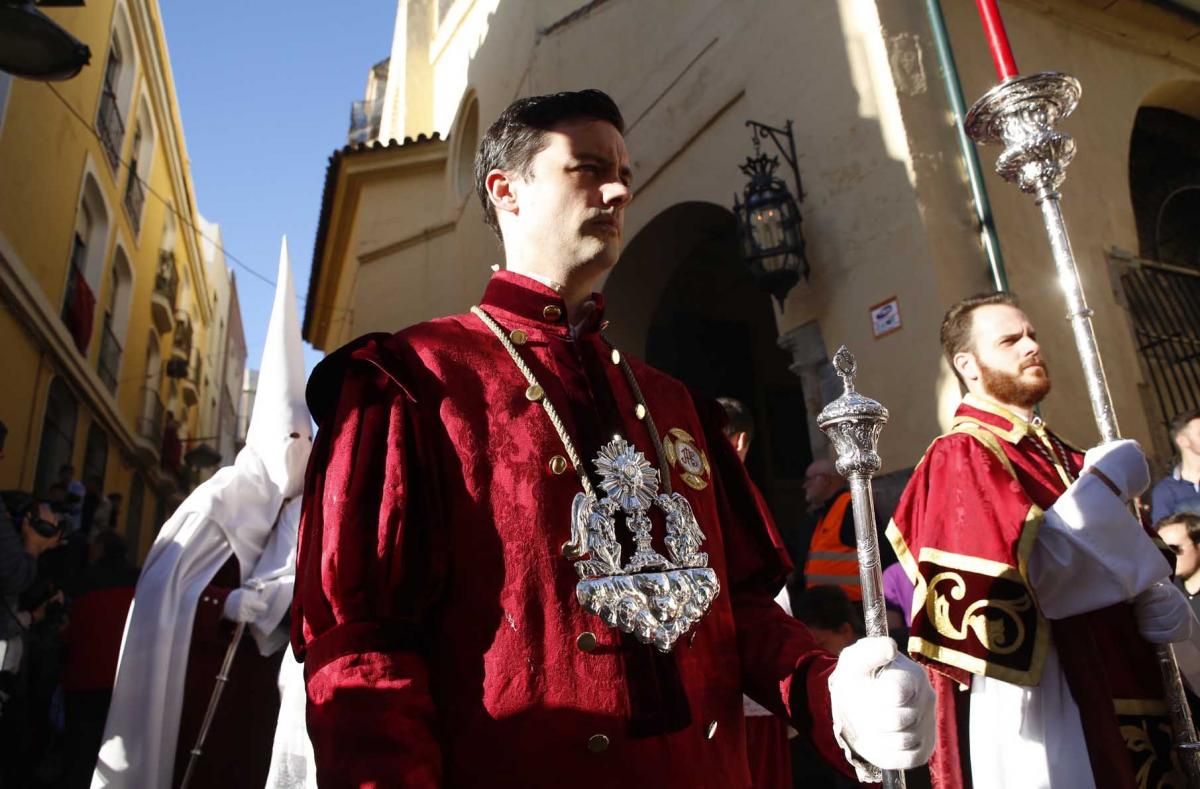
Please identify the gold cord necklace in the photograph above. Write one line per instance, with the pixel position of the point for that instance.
(655, 598)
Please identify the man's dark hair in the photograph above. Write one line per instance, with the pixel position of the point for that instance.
(956, 326)
(826, 607)
(740, 419)
(519, 134)
(1181, 421)
(1190, 520)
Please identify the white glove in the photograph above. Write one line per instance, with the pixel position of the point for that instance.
(245, 605)
(1164, 615)
(883, 707)
(1123, 462)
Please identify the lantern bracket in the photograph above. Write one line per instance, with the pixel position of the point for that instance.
(762, 131)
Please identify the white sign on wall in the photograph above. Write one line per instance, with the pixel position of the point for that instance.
(885, 317)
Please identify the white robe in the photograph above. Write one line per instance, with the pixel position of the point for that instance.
(1089, 554)
(292, 763)
(233, 513)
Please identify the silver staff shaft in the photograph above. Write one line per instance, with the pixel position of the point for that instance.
(870, 574)
(853, 423)
(213, 701)
(1022, 114)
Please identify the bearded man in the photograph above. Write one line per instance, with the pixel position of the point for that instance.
(463, 608)
(1037, 592)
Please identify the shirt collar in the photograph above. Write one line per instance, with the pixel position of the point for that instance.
(537, 304)
(993, 416)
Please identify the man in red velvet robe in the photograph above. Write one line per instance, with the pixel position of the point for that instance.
(1036, 590)
(436, 612)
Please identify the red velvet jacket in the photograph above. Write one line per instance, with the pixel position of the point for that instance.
(435, 613)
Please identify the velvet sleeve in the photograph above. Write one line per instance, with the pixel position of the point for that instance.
(783, 669)
(368, 574)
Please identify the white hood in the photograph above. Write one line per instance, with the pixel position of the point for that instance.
(280, 429)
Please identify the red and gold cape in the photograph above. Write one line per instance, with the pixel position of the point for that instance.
(964, 531)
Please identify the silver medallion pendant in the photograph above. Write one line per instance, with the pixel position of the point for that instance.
(656, 598)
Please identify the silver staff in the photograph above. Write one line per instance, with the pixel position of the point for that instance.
(1022, 113)
(218, 689)
(853, 423)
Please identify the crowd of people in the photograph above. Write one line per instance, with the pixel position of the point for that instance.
(67, 583)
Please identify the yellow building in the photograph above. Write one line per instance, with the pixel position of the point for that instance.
(107, 306)
(889, 214)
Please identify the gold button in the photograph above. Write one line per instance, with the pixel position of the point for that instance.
(640, 411)
(597, 743)
(551, 312)
(534, 393)
(616, 356)
(518, 337)
(558, 464)
(586, 641)
(711, 731)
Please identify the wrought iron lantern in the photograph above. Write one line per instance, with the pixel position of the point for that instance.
(768, 216)
(33, 46)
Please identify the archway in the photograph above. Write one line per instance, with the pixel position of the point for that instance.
(1163, 291)
(682, 298)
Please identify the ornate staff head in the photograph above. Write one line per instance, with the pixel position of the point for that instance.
(853, 423)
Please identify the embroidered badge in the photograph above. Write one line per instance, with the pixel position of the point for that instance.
(688, 459)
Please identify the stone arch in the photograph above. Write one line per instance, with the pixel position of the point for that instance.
(1163, 292)
(465, 139)
(682, 298)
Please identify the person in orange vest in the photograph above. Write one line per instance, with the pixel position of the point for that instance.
(832, 559)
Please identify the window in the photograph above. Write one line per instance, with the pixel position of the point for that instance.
(85, 265)
(116, 320)
(135, 188)
(116, 90)
(58, 435)
(109, 121)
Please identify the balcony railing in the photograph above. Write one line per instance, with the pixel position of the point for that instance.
(135, 198)
(110, 355)
(110, 125)
(150, 423)
(365, 118)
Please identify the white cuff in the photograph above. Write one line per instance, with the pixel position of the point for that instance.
(1091, 553)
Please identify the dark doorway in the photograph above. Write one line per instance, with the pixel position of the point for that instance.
(58, 435)
(683, 299)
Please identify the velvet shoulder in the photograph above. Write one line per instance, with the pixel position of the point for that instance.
(403, 359)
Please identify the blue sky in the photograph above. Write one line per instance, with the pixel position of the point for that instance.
(265, 89)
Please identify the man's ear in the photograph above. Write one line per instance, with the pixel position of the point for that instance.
(966, 365)
(501, 191)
